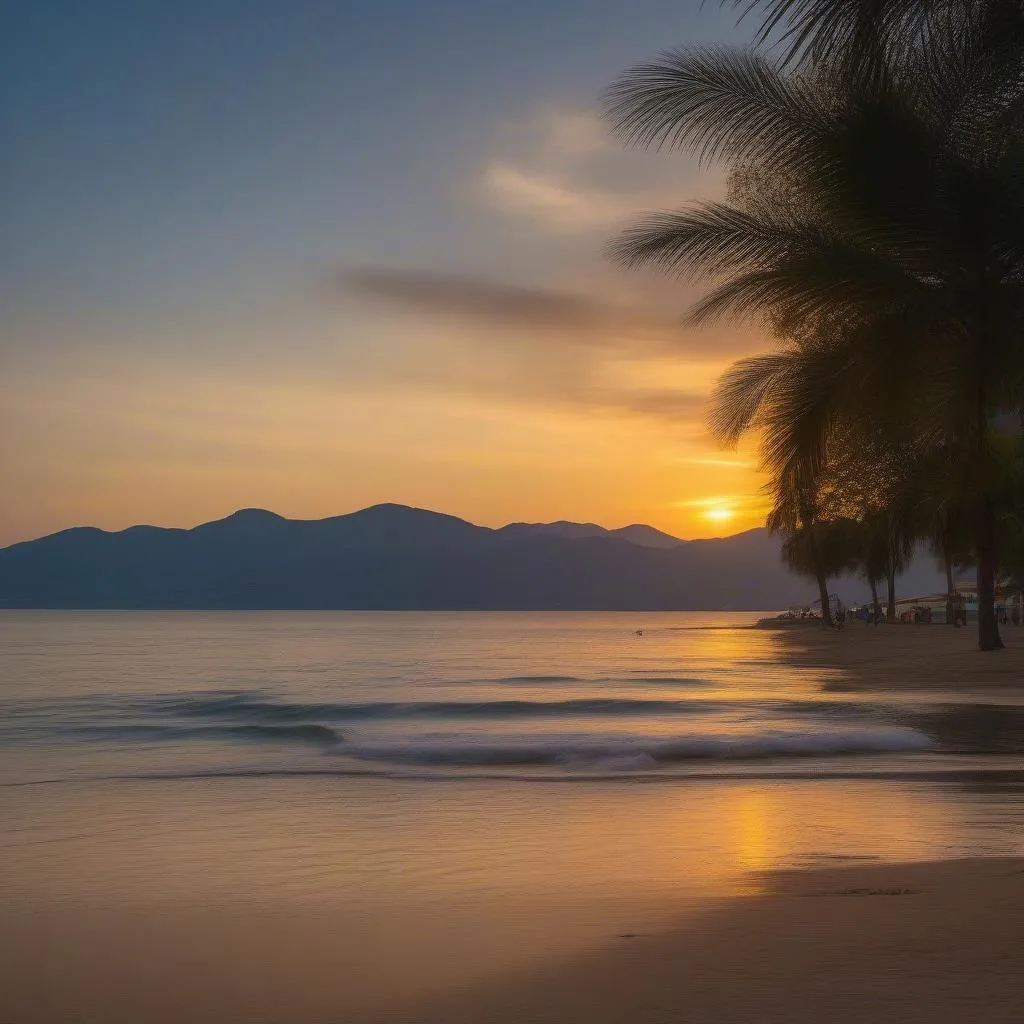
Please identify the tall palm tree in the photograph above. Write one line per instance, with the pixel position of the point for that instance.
(820, 551)
(948, 545)
(894, 206)
(935, 494)
(895, 543)
(874, 554)
(787, 397)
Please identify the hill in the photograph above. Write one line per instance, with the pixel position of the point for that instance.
(395, 557)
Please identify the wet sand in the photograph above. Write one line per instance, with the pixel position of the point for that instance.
(898, 657)
(936, 943)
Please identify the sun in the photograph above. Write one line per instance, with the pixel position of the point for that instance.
(718, 513)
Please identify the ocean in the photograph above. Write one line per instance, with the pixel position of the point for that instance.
(499, 784)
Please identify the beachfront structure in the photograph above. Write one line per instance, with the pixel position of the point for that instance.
(1012, 602)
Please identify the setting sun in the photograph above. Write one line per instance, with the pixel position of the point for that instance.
(719, 514)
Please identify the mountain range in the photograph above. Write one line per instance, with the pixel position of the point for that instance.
(396, 557)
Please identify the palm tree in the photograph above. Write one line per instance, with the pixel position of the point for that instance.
(834, 481)
(948, 548)
(896, 544)
(946, 514)
(890, 203)
(787, 398)
(820, 551)
(825, 471)
(873, 554)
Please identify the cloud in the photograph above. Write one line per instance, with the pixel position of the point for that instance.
(750, 503)
(572, 134)
(664, 404)
(506, 305)
(554, 203)
(541, 347)
(562, 170)
(718, 462)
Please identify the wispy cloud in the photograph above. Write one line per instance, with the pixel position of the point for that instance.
(539, 346)
(563, 171)
(572, 134)
(721, 463)
(557, 204)
(609, 346)
(737, 502)
(507, 305)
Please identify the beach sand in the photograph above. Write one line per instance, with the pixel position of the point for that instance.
(907, 657)
(936, 943)
(931, 943)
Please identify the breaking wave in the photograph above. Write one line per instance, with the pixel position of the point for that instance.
(250, 708)
(637, 752)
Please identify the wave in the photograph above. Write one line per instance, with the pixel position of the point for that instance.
(309, 733)
(638, 752)
(668, 681)
(925, 770)
(248, 708)
(251, 707)
(535, 679)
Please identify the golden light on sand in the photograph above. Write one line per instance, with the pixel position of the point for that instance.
(753, 813)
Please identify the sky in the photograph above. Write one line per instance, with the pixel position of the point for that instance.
(311, 255)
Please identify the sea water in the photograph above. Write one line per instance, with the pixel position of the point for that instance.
(532, 781)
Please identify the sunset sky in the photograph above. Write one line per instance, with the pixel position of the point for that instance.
(311, 256)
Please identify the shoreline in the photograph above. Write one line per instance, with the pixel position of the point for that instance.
(906, 657)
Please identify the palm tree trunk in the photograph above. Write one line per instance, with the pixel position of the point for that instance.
(875, 608)
(826, 610)
(890, 593)
(988, 628)
(819, 572)
(949, 587)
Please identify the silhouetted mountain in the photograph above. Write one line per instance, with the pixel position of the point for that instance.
(394, 557)
(561, 528)
(644, 536)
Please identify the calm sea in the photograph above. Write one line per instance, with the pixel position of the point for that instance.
(519, 768)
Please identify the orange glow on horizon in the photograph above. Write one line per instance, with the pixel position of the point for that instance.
(156, 445)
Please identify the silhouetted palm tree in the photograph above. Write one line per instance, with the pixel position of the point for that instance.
(886, 549)
(821, 551)
(785, 396)
(878, 186)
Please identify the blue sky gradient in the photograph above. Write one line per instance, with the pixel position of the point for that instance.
(185, 188)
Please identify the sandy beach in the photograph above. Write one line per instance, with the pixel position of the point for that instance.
(898, 657)
(936, 943)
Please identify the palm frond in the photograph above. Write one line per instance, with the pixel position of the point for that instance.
(855, 32)
(741, 393)
(768, 264)
(713, 238)
(719, 102)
